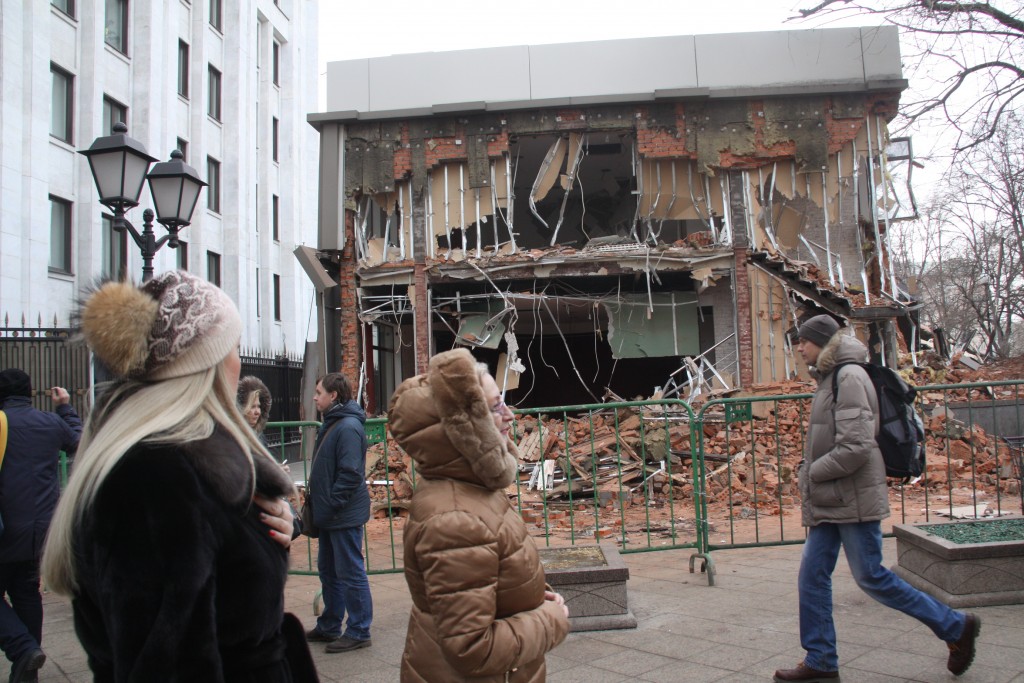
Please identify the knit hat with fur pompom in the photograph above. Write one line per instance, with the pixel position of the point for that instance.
(174, 325)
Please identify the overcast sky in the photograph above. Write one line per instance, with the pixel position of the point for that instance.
(354, 30)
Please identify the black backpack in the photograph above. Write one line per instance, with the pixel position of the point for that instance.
(900, 430)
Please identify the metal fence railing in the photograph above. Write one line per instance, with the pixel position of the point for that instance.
(652, 475)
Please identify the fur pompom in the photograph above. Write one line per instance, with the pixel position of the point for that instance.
(116, 322)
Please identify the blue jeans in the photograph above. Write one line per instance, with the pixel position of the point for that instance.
(344, 583)
(862, 542)
(21, 619)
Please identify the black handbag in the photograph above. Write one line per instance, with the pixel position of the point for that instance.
(309, 527)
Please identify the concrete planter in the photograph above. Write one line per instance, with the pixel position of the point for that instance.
(592, 579)
(960, 574)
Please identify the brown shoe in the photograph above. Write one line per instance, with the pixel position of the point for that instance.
(804, 673)
(961, 651)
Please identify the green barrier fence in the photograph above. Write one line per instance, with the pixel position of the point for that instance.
(652, 475)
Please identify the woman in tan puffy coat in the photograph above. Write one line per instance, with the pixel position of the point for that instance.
(481, 609)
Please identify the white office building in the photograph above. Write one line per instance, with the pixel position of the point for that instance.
(227, 82)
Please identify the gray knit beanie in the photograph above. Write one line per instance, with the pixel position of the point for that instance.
(174, 325)
(819, 329)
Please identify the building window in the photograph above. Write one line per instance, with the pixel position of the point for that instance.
(115, 28)
(276, 63)
(214, 95)
(113, 112)
(217, 14)
(213, 188)
(60, 234)
(65, 6)
(61, 112)
(182, 255)
(257, 288)
(275, 217)
(277, 298)
(182, 146)
(115, 251)
(274, 125)
(213, 267)
(183, 68)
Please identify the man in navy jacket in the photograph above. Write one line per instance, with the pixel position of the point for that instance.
(29, 487)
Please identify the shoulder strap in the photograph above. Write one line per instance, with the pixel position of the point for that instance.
(329, 430)
(3, 436)
(835, 384)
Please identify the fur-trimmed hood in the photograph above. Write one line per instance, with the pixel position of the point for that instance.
(443, 422)
(841, 348)
(246, 386)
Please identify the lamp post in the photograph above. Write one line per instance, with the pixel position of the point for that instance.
(119, 164)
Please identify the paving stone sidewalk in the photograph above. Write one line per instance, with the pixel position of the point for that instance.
(739, 631)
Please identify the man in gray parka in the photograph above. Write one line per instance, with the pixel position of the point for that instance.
(844, 498)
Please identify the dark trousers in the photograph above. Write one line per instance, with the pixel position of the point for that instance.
(21, 608)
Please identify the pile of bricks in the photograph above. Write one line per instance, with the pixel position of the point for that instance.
(618, 458)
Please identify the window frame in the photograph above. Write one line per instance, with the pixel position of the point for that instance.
(213, 92)
(69, 11)
(69, 102)
(213, 266)
(275, 62)
(181, 144)
(275, 217)
(181, 257)
(213, 180)
(184, 63)
(217, 14)
(113, 106)
(277, 298)
(115, 248)
(122, 46)
(275, 125)
(66, 266)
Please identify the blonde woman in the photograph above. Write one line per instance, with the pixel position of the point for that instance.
(175, 570)
(481, 609)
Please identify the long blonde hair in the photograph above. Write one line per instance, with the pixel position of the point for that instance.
(171, 411)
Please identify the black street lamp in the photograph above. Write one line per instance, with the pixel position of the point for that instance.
(119, 164)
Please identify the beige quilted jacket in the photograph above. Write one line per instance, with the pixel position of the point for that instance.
(476, 581)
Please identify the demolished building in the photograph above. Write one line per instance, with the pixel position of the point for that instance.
(613, 217)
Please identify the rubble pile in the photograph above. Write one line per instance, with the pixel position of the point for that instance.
(642, 456)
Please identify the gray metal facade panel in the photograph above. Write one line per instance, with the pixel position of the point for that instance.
(603, 71)
(881, 49)
(431, 78)
(611, 67)
(735, 60)
(348, 85)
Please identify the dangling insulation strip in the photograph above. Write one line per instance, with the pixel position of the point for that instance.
(576, 143)
(886, 179)
(550, 168)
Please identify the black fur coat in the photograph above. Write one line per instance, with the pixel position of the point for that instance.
(178, 578)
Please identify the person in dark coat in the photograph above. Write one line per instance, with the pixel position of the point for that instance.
(29, 488)
(341, 506)
(171, 537)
